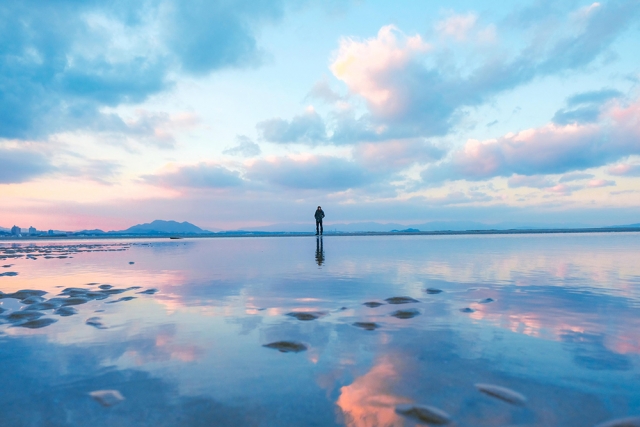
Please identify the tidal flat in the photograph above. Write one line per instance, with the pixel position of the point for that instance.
(358, 331)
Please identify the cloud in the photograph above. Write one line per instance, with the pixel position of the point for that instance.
(551, 149)
(457, 26)
(575, 177)
(323, 91)
(101, 171)
(307, 128)
(313, 173)
(201, 176)
(624, 170)
(62, 62)
(395, 155)
(598, 183)
(20, 165)
(586, 107)
(245, 147)
(412, 87)
(535, 181)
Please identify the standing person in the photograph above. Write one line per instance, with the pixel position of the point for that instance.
(319, 215)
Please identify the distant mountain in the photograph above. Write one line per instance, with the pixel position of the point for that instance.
(164, 227)
(625, 226)
(96, 231)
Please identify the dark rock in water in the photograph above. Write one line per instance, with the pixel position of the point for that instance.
(487, 301)
(75, 301)
(622, 422)
(95, 322)
(502, 393)
(9, 273)
(74, 292)
(132, 288)
(287, 346)
(424, 414)
(105, 286)
(32, 299)
(306, 315)
(433, 291)
(369, 326)
(7, 266)
(96, 295)
(373, 304)
(405, 314)
(131, 262)
(23, 316)
(112, 291)
(66, 311)
(467, 310)
(37, 323)
(401, 300)
(107, 397)
(46, 305)
(149, 291)
(25, 293)
(92, 284)
(121, 299)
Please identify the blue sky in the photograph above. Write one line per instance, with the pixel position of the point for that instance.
(238, 113)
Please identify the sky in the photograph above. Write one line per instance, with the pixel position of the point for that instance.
(238, 113)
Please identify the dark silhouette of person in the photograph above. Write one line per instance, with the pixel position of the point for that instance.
(319, 251)
(319, 215)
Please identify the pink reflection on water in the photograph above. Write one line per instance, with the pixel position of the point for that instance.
(368, 401)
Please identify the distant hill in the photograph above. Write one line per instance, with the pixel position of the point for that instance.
(163, 227)
(626, 226)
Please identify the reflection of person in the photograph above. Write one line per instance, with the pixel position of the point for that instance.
(319, 251)
(319, 215)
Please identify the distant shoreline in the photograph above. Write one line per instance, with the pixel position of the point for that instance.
(328, 234)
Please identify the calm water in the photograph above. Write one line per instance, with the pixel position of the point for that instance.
(563, 330)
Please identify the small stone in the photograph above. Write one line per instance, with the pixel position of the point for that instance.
(424, 414)
(32, 300)
(25, 293)
(467, 310)
(9, 273)
(306, 315)
(66, 311)
(405, 314)
(105, 286)
(46, 305)
(75, 301)
(433, 291)
(95, 322)
(107, 397)
(401, 300)
(487, 301)
(369, 326)
(287, 346)
(373, 304)
(7, 266)
(37, 323)
(121, 299)
(502, 393)
(131, 262)
(149, 291)
(622, 422)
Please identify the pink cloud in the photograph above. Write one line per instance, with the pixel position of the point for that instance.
(597, 183)
(550, 149)
(457, 26)
(396, 154)
(624, 170)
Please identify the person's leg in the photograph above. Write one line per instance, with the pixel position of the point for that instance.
(321, 227)
(317, 227)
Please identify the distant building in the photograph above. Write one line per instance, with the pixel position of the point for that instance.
(15, 230)
(50, 232)
(33, 231)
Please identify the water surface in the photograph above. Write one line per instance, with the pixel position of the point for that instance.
(552, 317)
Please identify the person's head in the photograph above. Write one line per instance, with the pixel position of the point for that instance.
(319, 207)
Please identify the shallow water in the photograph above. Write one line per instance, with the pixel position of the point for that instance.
(554, 318)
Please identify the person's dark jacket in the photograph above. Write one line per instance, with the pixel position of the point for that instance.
(319, 214)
